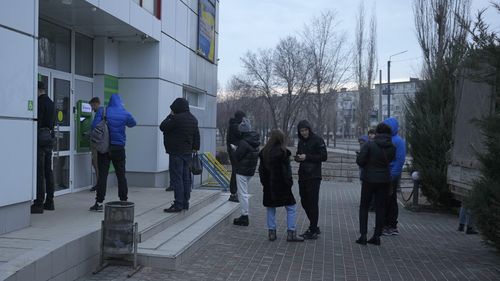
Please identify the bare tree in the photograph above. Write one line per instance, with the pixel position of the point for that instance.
(293, 78)
(365, 67)
(259, 69)
(328, 54)
(440, 32)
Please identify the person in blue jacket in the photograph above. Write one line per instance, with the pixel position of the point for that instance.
(118, 118)
(391, 212)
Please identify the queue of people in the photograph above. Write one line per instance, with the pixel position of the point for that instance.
(381, 159)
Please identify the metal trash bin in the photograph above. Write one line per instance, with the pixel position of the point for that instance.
(118, 228)
(119, 236)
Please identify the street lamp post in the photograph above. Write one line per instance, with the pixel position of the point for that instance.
(389, 82)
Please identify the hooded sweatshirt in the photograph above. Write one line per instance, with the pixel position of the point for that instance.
(315, 150)
(180, 129)
(118, 117)
(399, 143)
(375, 158)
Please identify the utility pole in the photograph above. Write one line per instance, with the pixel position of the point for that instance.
(380, 115)
(389, 83)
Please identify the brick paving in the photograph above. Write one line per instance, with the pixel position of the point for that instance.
(428, 248)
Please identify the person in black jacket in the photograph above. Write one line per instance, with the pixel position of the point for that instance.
(181, 138)
(246, 155)
(44, 177)
(276, 178)
(233, 137)
(311, 152)
(375, 158)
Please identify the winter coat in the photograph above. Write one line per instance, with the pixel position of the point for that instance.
(315, 150)
(118, 117)
(180, 130)
(375, 158)
(399, 161)
(233, 133)
(247, 154)
(276, 178)
(45, 112)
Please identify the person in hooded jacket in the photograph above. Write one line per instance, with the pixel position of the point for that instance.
(375, 158)
(391, 209)
(275, 174)
(246, 156)
(181, 137)
(118, 118)
(233, 137)
(311, 152)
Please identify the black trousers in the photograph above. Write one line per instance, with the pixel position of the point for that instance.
(44, 175)
(378, 191)
(309, 198)
(233, 187)
(116, 155)
(391, 208)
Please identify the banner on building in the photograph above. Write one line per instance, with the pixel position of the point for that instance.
(206, 29)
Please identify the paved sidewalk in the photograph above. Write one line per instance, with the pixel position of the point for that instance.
(428, 248)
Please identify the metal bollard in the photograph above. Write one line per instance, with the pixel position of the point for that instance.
(416, 185)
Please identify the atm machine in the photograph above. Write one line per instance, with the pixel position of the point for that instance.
(83, 121)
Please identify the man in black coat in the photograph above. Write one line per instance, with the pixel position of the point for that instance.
(311, 151)
(44, 177)
(181, 138)
(234, 137)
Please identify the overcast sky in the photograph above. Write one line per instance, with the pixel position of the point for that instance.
(250, 25)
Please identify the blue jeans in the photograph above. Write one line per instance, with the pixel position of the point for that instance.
(465, 217)
(180, 179)
(291, 217)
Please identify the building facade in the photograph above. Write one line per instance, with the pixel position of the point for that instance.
(150, 52)
(401, 93)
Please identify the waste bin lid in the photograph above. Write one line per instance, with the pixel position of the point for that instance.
(119, 204)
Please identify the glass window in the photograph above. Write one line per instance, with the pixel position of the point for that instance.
(84, 55)
(149, 5)
(192, 98)
(54, 46)
(62, 106)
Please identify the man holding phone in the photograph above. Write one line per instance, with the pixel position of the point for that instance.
(311, 152)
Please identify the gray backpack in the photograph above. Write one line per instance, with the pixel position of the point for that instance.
(99, 137)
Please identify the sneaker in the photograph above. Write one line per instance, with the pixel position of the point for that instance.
(394, 231)
(233, 198)
(309, 235)
(309, 231)
(169, 189)
(471, 230)
(387, 231)
(241, 221)
(96, 207)
(172, 209)
(36, 209)
(93, 188)
(49, 206)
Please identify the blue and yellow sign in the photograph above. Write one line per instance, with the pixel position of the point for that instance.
(206, 29)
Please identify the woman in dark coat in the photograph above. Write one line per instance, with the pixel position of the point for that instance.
(375, 158)
(276, 177)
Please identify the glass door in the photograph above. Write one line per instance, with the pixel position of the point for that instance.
(62, 157)
(58, 86)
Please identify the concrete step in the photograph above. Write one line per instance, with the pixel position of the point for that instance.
(155, 220)
(169, 248)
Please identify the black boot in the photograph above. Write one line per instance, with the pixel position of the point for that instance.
(241, 221)
(461, 227)
(37, 209)
(49, 205)
(375, 240)
(292, 237)
(311, 234)
(234, 198)
(470, 230)
(272, 234)
(361, 240)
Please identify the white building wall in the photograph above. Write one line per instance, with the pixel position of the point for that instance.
(18, 31)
